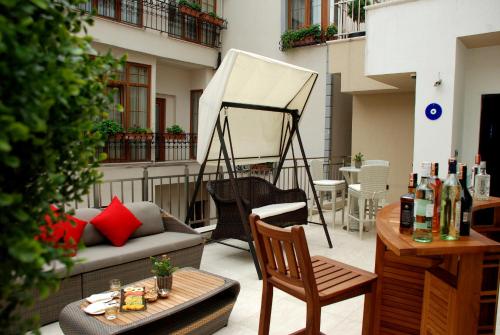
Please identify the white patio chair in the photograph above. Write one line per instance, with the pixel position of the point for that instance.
(327, 185)
(371, 190)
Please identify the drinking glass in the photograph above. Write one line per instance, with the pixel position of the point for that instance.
(115, 284)
(111, 312)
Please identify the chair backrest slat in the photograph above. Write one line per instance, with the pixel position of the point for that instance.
(291, 260)
(268, 255)
(278, 254)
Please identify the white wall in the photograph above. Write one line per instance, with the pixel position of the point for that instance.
(421, 36)
(256, 26)
(151, 42)
(482, 73)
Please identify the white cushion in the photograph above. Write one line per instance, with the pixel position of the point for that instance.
(355, 187)
(328, 182)
(277, 209)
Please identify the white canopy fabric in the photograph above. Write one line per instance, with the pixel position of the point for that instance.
(247, 78)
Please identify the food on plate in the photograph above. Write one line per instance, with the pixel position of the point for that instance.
(133, 303)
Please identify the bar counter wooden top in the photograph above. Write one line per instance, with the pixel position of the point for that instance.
(441, 287)
(403, 245)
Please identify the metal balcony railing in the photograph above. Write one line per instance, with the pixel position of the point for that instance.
(172, 192)
(349, 17)
(160, 147)
(163, 16)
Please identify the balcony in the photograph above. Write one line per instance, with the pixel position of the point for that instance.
(159, 147)
(165, 17)
(346, 19)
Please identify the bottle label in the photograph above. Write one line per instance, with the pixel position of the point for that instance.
(465, 217)
(457, 216)
(429, 210)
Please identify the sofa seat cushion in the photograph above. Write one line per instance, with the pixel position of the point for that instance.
(102, 256)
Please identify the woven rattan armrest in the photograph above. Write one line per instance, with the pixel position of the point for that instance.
(171, 223)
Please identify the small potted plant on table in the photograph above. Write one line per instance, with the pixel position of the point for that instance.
(163, 269)
(358, 160)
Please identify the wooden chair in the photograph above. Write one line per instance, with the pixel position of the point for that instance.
(286, 264)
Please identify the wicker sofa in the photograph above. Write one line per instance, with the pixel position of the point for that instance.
(100, 261)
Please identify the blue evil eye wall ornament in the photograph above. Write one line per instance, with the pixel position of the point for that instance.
(433, 111)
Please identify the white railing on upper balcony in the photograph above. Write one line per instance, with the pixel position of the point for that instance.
(350, 15)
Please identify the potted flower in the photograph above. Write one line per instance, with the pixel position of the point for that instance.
(175, 132)
(358, 160)
(163, 269)
(189, 8)
(110, 129)
(300, 37)
(138, 133)
(212, 18)
(331, 32)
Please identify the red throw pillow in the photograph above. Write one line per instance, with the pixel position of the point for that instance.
(116, 222)
(65, 234)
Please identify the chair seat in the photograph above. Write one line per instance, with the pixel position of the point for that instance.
(328, 182)
(355, 187)
(336, 281)
(277, 209)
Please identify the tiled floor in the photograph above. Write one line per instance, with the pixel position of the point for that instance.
(288, 313)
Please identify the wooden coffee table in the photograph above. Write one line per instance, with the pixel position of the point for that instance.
(199, 303)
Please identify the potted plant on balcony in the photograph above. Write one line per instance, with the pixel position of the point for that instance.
(358, 160)
(109, 129)
(163, 269)
(138, 133)
(331, 32)
(175, 132)
(212, 18)
(189, 8)
(300, 37)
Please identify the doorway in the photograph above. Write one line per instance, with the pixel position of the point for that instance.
(160, 129)
(489, 139)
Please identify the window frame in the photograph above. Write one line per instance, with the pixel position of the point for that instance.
(307, 19)
(118, 12)
(125, 96)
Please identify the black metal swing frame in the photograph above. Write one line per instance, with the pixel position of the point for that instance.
(231, 168)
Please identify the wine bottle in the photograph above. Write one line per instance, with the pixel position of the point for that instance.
(465, 202)
(436, 184)
(424, 207)
(450, 204)
(407, 207)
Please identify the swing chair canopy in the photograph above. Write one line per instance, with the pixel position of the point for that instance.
(251, 80)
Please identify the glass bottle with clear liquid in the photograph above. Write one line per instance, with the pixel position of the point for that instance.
(482, 183)
(424, 207)
(450, 204)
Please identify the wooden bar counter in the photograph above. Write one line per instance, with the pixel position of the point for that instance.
(442, 287)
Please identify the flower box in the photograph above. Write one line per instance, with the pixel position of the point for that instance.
(175, 137)
(189, 11)
(212, 19)
(308, 40)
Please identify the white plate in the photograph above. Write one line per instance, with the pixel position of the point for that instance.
(102, 297)
(98, 307)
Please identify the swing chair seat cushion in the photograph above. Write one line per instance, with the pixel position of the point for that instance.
(277, 209)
